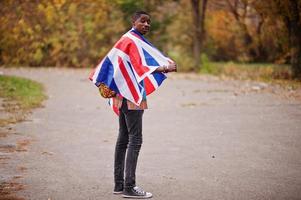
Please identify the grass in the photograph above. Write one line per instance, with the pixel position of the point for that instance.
(272, 73)
(19, 96)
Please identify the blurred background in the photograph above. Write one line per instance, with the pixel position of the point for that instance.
(239, 38)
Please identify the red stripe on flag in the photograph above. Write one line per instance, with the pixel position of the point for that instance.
(92, 74)
(114, 106)
(127, 77)
(148, 85)
(128, 46)
(124, 45)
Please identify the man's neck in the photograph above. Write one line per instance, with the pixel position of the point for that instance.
(135, 30)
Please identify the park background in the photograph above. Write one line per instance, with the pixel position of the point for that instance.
(234, 135)
(238, 38)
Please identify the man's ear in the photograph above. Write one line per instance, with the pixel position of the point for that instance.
(133, 22)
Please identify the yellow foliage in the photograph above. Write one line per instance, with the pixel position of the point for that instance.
(58, 32)
(78, 33)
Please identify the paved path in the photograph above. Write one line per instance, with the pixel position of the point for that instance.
(203, 139)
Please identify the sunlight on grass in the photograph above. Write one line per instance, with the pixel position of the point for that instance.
(266, 72)
(27, 94)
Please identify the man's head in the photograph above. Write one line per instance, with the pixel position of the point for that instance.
(141, 21)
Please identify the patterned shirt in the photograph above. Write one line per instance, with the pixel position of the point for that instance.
(117, 101)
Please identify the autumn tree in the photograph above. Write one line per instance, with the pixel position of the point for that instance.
(198, 12)
(288, 11)
(57, 32)
(79, 33)
(250, 23)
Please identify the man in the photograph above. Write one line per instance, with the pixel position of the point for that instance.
(130, 129)
(132, 69)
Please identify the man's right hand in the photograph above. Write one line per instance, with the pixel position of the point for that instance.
(172, 67)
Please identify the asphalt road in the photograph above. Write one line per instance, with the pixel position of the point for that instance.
(204, 139)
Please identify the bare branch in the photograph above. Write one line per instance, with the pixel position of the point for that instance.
(233, 9)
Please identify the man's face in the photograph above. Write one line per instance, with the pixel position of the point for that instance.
(142, 24)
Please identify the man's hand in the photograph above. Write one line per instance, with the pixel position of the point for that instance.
(172, 67)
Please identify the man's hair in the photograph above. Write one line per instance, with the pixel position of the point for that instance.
(137, 14)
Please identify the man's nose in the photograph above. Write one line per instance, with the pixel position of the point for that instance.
(146, 24)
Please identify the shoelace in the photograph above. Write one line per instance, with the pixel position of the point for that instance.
(139, 190)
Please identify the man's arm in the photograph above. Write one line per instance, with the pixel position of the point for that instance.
(169, 68)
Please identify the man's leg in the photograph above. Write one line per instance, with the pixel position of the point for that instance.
(120, 152)
(134, 124)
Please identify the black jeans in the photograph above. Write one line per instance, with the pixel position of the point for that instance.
(127, 146)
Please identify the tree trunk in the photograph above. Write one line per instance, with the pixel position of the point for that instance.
(294, 27)
(198, 10)
(261, 53)
(247, 40)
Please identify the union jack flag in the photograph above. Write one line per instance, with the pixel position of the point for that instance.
(128, 68)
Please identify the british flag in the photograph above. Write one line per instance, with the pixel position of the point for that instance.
(128, 68)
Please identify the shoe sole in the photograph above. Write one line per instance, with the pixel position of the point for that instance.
(138, 197)
(118, 192)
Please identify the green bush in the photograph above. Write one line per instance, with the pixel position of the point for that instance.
(183, 60)
(207, 67)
